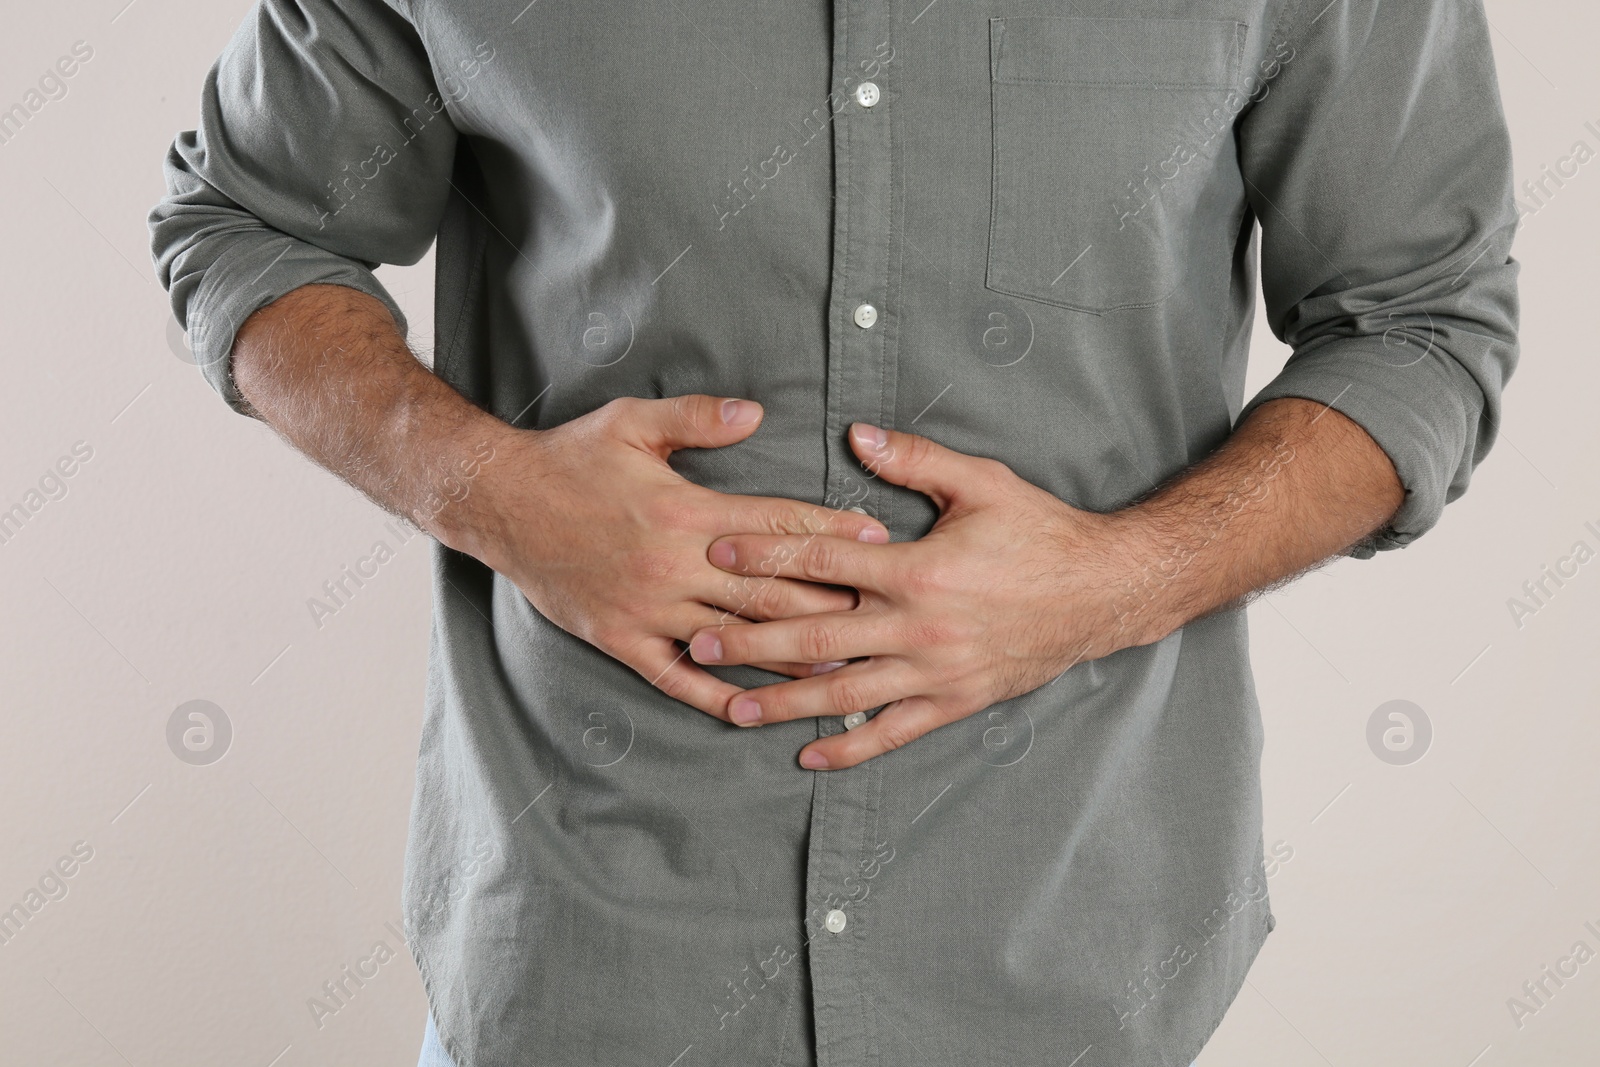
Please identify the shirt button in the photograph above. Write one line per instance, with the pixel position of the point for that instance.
(867, 94)
(865, 316)
(854, 719)
(834, 921)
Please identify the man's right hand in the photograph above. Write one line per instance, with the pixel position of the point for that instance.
(587, 519)
(609, 542)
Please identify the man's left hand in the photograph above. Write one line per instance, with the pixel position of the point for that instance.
(1009, 589)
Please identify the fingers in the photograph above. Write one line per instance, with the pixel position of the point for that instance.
(898, 724)
(776, 515)
(702, 617)
(696, 420)
(856, 686)
(918, 463)
(667, 667)
(808, 639)
(691, 421)
(831, 560)
(764, 599)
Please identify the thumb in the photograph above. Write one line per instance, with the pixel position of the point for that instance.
(918, 463)
(691, 421)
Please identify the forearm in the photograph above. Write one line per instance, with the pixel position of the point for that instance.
(1297, 484)
(326, 368)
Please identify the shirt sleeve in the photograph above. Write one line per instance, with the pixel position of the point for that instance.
(323, 149)
(1379, 165)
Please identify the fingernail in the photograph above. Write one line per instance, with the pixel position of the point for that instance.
(706, 648)
(824, 668)
(874, 535)
(722, 554)
(740, 412)
(812, 760)
(873, 437)
(745, 711)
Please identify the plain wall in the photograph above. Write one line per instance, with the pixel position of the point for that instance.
(220, 898)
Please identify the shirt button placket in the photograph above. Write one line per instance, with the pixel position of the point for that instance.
(861, 381)
(862, 337)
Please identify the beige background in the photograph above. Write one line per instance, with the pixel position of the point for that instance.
(220, 898)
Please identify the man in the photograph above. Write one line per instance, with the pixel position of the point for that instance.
(844, 494)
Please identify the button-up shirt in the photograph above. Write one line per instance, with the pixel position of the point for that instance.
(1029, 230)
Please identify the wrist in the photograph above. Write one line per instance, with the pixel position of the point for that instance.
(458, 501)
(1149, 572)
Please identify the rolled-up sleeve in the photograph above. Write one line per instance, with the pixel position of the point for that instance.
(1379, 166)
(324, 148)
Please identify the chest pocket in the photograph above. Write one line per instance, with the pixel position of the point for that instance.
(1101, 127)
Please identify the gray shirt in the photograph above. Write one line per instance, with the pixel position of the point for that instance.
(1055, 210)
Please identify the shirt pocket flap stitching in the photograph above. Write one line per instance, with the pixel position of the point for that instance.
(1125, 52)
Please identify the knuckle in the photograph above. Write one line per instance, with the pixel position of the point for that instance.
(993, 469)
(672, 512)
(779, 554)
(691, 410)
(786, 522)
(633, 609)
(621, 409)
(820, 559)
(848, 694)
(632, 649)
(928, 633)
(746, 596)
(926, 580)
(769, 599)
(653, 565)
(916, 450)
(734, 513)
(815, 521)
(817, 643)
(894, 735)
(964, 633)
(676, 684)
(811, 522)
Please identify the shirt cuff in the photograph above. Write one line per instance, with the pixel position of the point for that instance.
(1424, 415)
(254, 271)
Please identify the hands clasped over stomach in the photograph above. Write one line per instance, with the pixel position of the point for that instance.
(933, 630)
